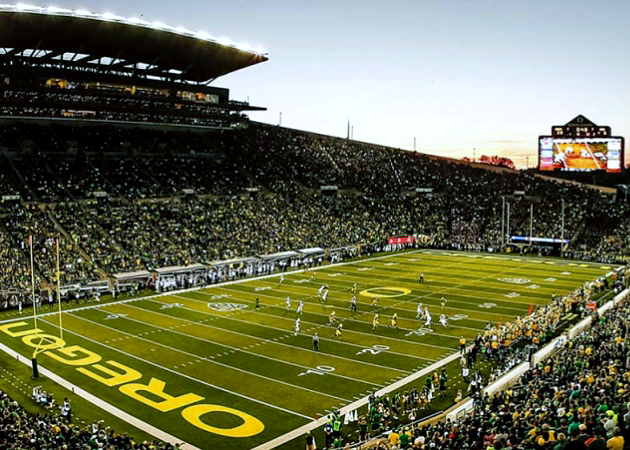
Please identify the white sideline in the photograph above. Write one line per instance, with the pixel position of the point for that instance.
(361, 402)
(208, 286)
(504, 380)
(280, 439)
(140, 424)
(547, 351)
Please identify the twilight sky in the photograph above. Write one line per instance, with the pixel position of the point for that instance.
(455, 74)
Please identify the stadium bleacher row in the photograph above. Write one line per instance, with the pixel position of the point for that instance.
(575, 400)
(21, 429)
(145, 220)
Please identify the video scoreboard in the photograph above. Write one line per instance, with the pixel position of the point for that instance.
(581, 154)
(580, 145)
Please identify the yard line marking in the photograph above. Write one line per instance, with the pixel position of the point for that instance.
(104, 405)
(384, 337)
(321, 338)
(463, 253)
(487, 266)
(413, 304)
(238, 394)
(279, 305)
(223, 283)
(473, 283)
(234, 349)
(208, 360)
(355, 405)
(357, 361)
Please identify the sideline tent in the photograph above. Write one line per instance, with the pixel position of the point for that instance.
(232, 262)
(176, 270)
(279, 256)
(131, 276)
(312, 251)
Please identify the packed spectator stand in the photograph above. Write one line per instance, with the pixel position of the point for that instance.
(576, 400)
(20, 429)
(124, 199)
(575, 395)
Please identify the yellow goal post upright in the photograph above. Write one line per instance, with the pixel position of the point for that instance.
(30, 248)
(59, 290)
(39, 347)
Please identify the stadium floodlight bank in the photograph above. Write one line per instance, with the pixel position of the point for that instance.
(61, 63)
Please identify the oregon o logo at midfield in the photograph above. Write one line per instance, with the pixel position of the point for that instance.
(385, 292)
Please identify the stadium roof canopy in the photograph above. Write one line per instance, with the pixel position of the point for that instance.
(60, 41)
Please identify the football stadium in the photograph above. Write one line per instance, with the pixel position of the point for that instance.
(176, 274)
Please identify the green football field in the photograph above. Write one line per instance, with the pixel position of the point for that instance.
(210, 368)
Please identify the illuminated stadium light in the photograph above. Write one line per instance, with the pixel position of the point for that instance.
(136, 20)
(144, 66)
(107, 16)
(205, 36)
(185, 31)
(25, 7)
(84, 13)
(260, 49)
(54, 9)
(226, 41)
(161, 26)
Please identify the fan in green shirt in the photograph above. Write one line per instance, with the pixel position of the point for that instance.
(575, 425)
(404, 439)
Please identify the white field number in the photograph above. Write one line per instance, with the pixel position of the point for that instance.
(171, 305)
(374, 350)
(319, 370)
(419, 332)
(115, 316)
(513, 295)
(457, 317)
(487, 305)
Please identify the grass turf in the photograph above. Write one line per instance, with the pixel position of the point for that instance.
(248, 358)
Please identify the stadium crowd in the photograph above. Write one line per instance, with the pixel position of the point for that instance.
(113, 105)
(124, 200)
(506, 345)
(138, 199)
(20, 429)
(578, 399)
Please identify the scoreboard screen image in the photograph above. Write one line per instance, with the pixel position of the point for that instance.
(583, 154)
